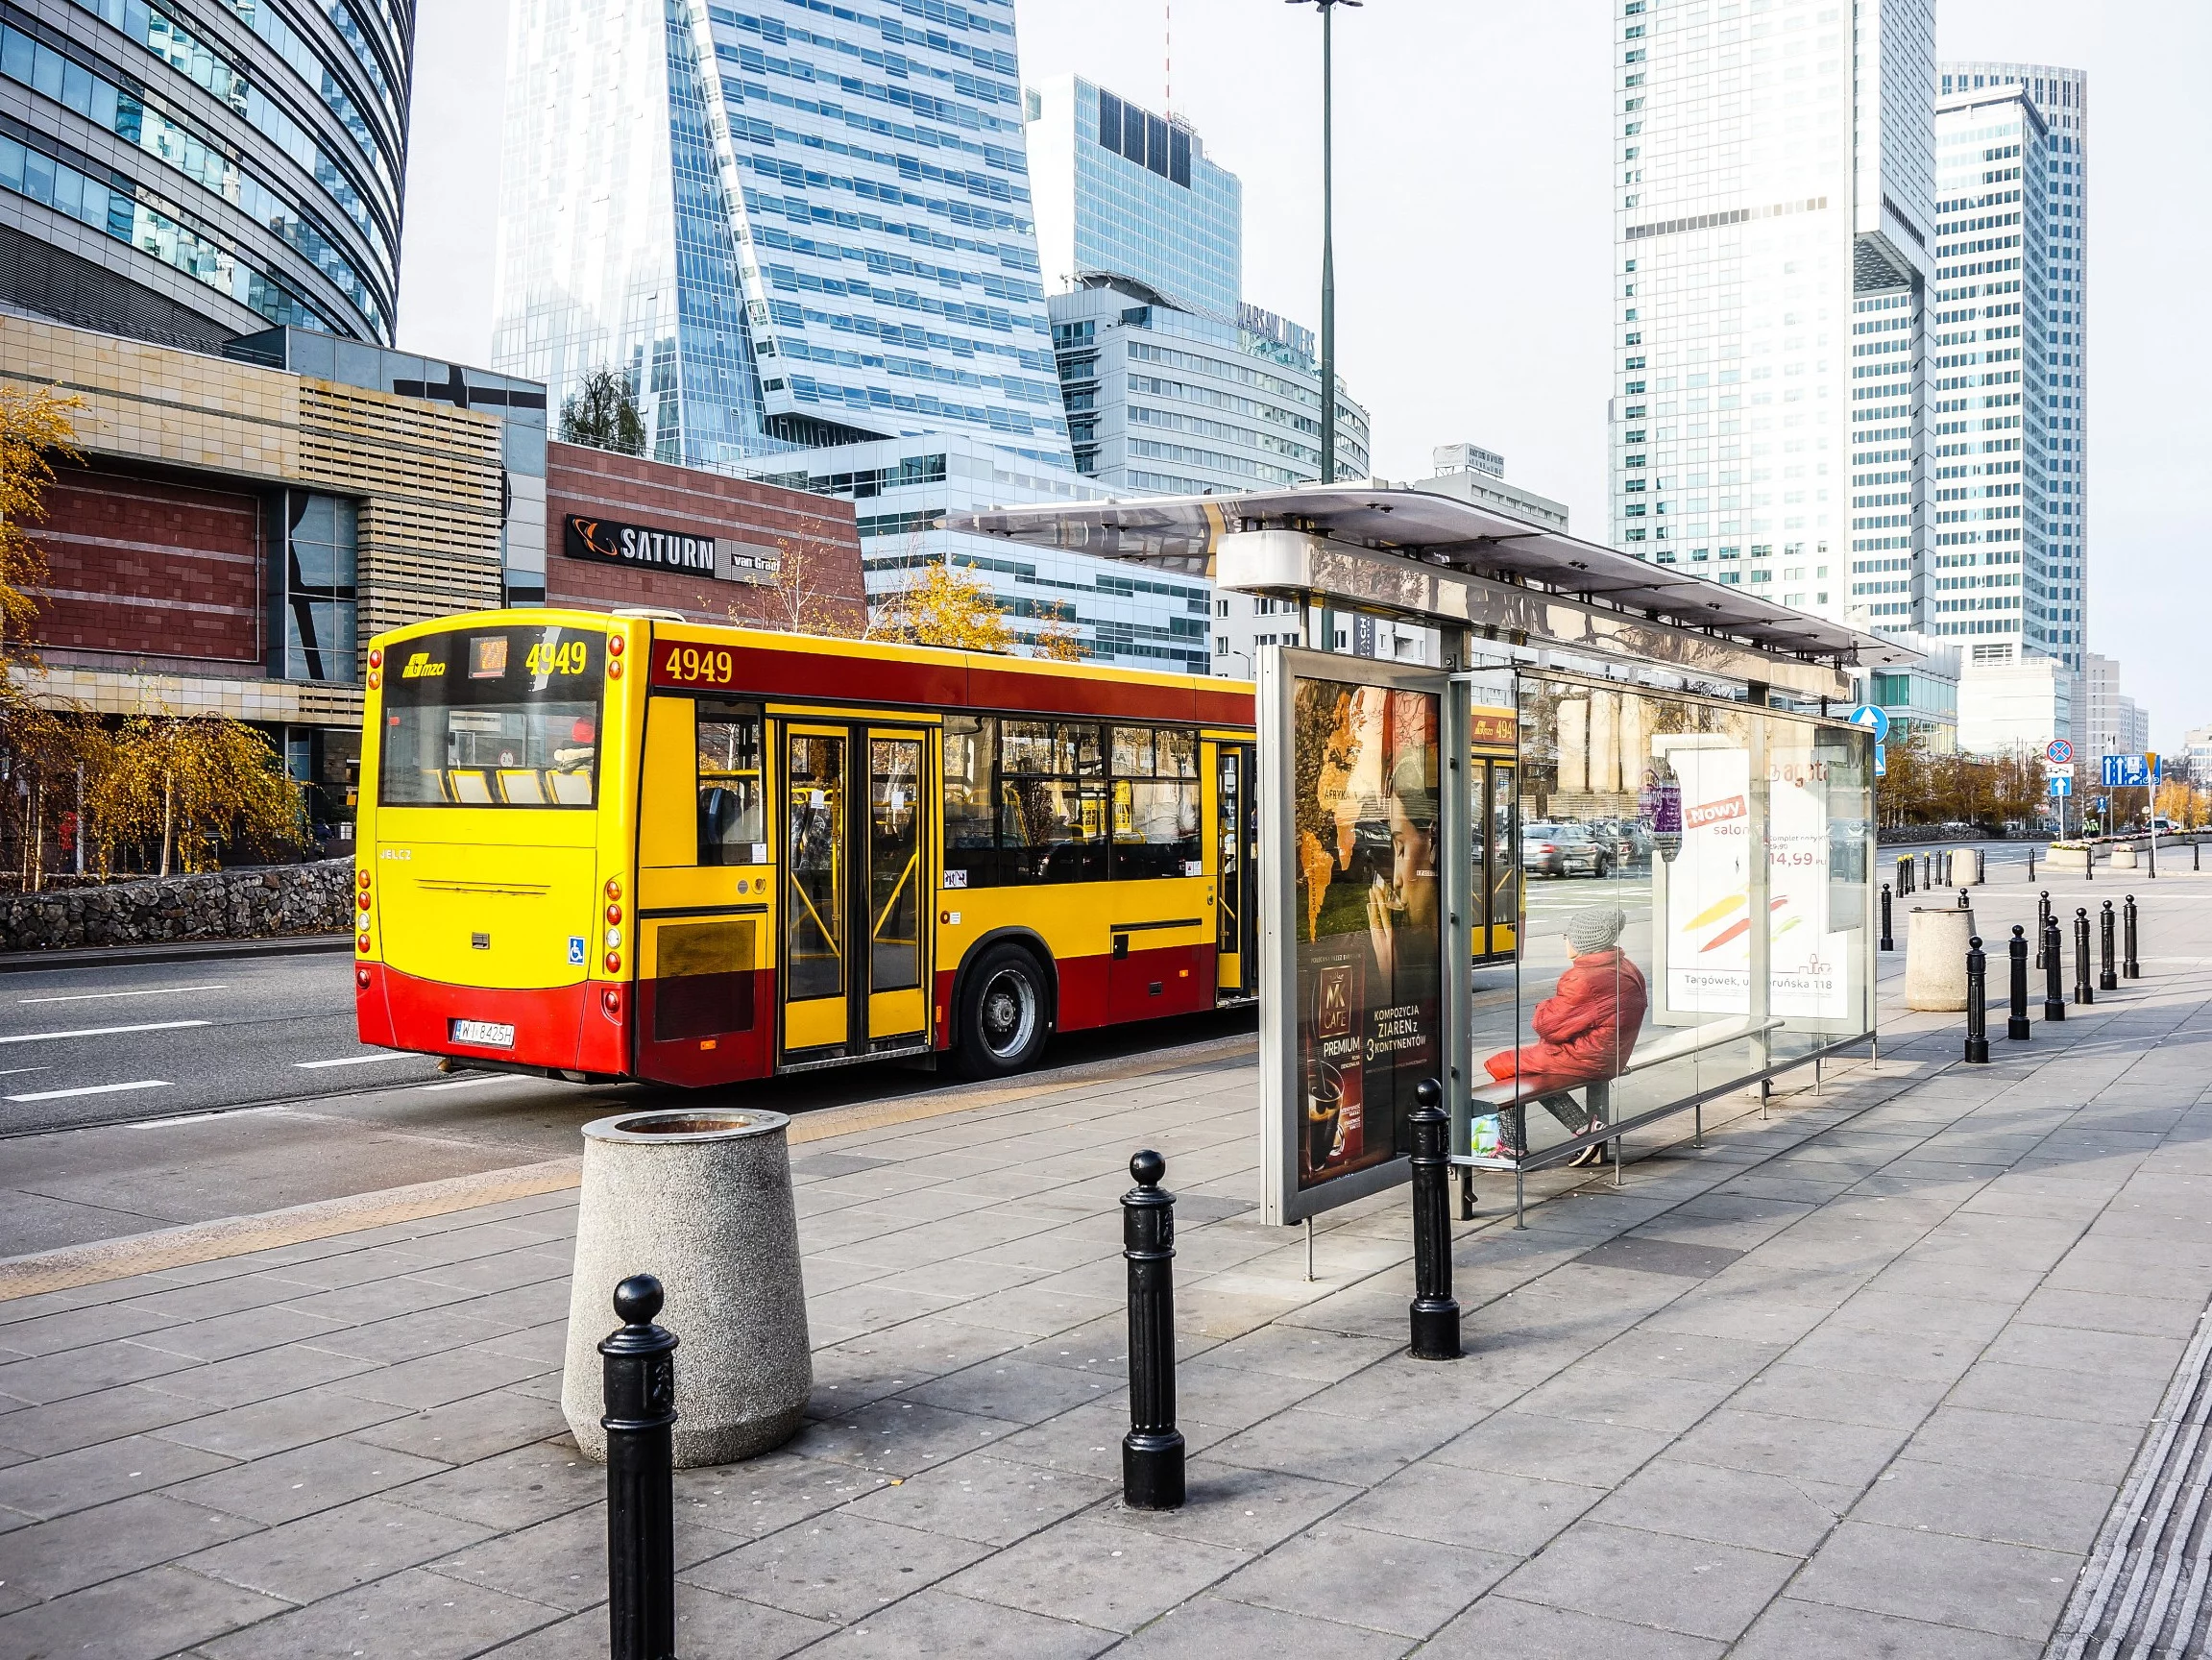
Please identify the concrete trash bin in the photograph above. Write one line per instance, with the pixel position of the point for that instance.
(700, 1198)
(1936, 958)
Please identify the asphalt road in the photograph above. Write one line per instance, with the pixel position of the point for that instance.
(134, 1098)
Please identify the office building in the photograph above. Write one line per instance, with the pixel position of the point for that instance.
(2060, 100)
(199, 169)
(1171, 401)
(2114, 724)
(1122, 192)
(2016, 706)
(901, 490)
(789, 225)
(1998, 575)
(1474, 474)
(1922, 701)
(1773, 218)
(2195, 755)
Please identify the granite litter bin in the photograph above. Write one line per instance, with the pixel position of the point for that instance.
(1936, 958)
(700, 1198)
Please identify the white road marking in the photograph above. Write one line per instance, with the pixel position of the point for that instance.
(156, 992)
(351, 1060)
(466, 1083)
(94, 1089)
(105, 1031)
(11, 1071)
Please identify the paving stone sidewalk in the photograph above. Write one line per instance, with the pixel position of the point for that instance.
(1862, 1377)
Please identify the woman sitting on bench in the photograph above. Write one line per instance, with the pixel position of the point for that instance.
(1586, 1028)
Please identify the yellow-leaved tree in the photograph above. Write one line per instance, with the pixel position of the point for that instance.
(35, 430)
(944, 606)
(1057, 642)
(192, 788)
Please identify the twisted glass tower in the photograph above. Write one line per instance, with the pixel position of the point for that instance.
(788, 225)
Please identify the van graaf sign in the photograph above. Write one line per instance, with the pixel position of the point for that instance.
(650, 547)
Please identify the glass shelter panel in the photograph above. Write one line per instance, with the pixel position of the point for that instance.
(1695, 912)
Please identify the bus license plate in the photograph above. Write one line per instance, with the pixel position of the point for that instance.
(487, 1033)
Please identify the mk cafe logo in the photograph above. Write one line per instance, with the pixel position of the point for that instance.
(1335, 1012)
(638, 544)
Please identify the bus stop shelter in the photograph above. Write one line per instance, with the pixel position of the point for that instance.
(1606, 854)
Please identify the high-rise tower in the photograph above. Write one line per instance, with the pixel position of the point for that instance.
(199, 169)
(1772, 227)
(2058, 282)
(791, 225)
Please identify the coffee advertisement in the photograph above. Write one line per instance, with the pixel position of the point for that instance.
(1369, 944)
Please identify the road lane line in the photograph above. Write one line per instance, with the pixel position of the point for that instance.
(93, 1089)
(355, 1061)
(199, 1117)
(105, 1031)
(155, 991)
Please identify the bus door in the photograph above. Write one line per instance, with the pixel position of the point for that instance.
(857, 883)
(1501, 875)
(1236, 837)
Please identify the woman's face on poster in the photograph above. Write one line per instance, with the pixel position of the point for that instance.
(1412, 866)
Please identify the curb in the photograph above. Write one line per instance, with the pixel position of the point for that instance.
(179, 951)
(101, 1260)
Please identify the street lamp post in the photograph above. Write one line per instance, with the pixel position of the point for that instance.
(1328, 245)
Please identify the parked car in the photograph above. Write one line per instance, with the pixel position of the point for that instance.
(1626, 839)
(1564, 850)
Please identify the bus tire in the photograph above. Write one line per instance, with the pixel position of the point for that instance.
(1004, 1013)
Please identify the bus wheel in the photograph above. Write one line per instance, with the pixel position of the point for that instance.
(1001, 1017)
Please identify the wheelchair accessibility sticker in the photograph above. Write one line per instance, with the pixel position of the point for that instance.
(576, 950)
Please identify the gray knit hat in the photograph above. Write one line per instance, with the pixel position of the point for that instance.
(1597, 929)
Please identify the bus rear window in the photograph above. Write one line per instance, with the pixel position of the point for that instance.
(494, 718)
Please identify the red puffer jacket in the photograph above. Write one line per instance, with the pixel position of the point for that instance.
(1587, 1026)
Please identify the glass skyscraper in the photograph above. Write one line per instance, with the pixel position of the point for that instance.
(2051, 199)
(1122, 192)
(1773, 219)
(788, 224)
(186, 171)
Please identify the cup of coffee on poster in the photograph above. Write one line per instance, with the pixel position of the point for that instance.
(1369, 948)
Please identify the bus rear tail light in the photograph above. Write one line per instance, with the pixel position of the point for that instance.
(362, 941)
(614, 886)
(614, 644)
(376, 656)
(613, 914)
(614, 961)
(611, 1003)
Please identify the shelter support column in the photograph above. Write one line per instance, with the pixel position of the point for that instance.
(1760, 905)
(1461, 882)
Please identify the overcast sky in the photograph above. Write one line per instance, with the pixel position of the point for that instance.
(1473, 235)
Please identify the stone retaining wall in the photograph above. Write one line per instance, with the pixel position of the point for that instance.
(249, 904)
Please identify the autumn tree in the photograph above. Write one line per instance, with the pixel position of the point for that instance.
(602, 412)
(944, 606)
(35, 429)
(1057, 642)
(803, 601)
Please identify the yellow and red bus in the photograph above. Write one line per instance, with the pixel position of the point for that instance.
(600, 846)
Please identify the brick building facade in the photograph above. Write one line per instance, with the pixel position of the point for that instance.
(237, 530)
(759, 532)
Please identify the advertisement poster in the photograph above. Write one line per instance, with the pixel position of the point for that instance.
(1709, 923)
(1369, 944)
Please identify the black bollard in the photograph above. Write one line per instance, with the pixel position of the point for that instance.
(1965, 903)
(1977, 1003)
(1904, 874)
(1152, 1452)
(2054, 975)
(2016, 1025)
(641, 1400)
(2108, 975)
(2084, 992)
(2129, 966)
(1888, 943)
(2030, 866)
(1435, 1314)
(2042, 923)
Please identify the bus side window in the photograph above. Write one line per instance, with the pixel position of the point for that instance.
(732, 796)
(1155, 799)
(971, 744)
(1052, 802)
